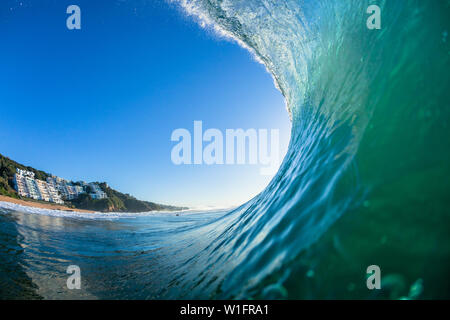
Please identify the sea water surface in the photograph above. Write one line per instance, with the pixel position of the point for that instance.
(365, 180)
(131, 257)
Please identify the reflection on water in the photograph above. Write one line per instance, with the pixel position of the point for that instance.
(121, 258)
(365, 179)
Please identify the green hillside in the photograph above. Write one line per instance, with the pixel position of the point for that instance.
(116, 201)
(8, 169)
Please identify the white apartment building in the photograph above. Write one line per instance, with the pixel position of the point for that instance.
(25, 173)
(55, 189)
(28, 186)
(67, 189)
(97, 192)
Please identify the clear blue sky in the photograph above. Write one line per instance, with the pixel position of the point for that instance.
(100, 103)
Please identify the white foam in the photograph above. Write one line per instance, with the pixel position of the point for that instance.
(84, 215)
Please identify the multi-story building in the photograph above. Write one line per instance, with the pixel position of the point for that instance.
(25, 173)
(67, 189)
(28, 186)
(55, 189)
(97, 192)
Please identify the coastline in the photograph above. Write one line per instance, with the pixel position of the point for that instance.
(42, 205)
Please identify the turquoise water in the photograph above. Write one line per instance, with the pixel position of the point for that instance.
(365, 180)
(140, 257)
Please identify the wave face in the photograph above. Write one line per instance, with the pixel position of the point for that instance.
(365, 180)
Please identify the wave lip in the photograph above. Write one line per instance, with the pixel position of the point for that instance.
(363, 182)
(370, 137)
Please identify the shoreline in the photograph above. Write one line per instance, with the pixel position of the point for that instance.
(39, 205)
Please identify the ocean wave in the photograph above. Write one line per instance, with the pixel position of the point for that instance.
(370, 136)
(364, 181)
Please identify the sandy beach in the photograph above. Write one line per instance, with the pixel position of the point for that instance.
(42, 205)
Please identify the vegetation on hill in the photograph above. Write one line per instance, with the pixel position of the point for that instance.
(8, 169)
(116, 201)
